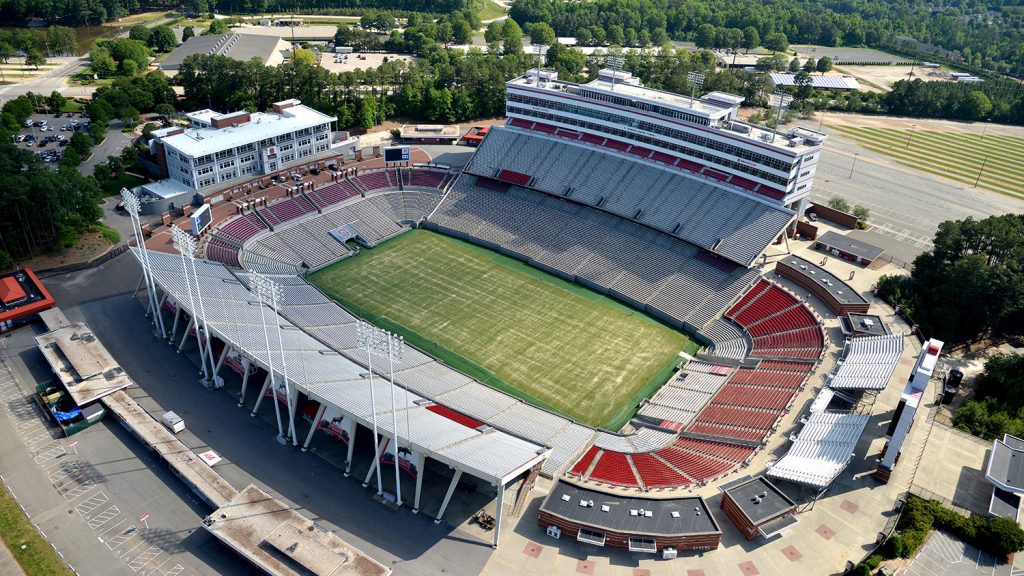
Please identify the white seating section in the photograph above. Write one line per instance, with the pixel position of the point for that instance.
(823, 448)
(729, 340)
(867, 363)
(697, 210)
(678, 401)
(651, 271)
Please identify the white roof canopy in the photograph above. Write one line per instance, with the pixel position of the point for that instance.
(233, 315)
(822, 450)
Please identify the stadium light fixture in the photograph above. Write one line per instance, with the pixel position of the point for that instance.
(186, 244)
(696, 80)
(270, 357)
(615, 63)
(368, 339)
(781, 96)
(133, 207)
(182, 246)
(384, 344)
(270, 293)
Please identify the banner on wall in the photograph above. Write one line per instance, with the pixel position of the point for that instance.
(336, 425)
(171, 305)
(235, 361)
(407, 458)
(277, 389)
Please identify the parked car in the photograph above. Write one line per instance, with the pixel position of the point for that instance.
(297, 177)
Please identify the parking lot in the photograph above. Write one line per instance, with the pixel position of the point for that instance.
(48, 134)
(946, 555)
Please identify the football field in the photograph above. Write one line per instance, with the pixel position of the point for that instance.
(550, 342)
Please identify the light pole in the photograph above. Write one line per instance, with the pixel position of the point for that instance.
(980, 172)
(186, 244)
(367, 341)
(854, 165)
(133, 207)
(270, 293)
(384, 344)
(270, 360)
(194, 320)
(696, 80)
(911, 137)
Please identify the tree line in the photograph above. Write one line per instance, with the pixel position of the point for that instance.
(969, 285)
(92, 12)
(984, 32)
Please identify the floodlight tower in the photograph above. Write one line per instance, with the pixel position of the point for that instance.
(615, 63)
(778, 116)
(270, 293)
(383, 344)
(186, 244)
(696, 80)
(270, 360)
(193, 320)
(133, 206)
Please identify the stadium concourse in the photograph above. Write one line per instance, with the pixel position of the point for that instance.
(685, 259)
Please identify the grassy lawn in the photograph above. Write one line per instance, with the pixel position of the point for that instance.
(122, 180)
(33, 553)
(954, 155)
(550, 342)
(488, 10)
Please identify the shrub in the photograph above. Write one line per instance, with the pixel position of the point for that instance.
(839, 203)
(873, 561)
(110, 234)
(893, 547)
(6, 262)
(861, 570)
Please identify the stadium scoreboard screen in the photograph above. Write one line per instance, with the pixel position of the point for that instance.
(201, 219)
(396, 154)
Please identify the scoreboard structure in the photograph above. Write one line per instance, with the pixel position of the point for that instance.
(396, 154)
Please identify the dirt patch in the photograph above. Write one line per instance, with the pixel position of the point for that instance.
(88, 246)
(882, 78)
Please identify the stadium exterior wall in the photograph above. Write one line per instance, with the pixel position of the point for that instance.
(570, 528)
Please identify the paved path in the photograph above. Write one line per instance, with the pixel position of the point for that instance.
(8, 565)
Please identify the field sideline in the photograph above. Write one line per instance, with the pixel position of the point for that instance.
(550, 342)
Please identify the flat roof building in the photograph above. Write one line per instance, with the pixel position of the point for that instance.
(848, 248)
(840, 297)
(217, 148)
(701, 135)
(1006, 473)
(242, 47)
(820, 81)
(758, 507)
(22, 294)
(636, 523)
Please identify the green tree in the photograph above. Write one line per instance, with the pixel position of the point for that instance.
(217, 27)
(824, 64)
(102, 64)
(751, 38)
(35, 58)
(129, 68)
(705, 37)
(187, 32)
(976, 106)
(367, 112)
(163, 39)
(794, 65)
(165, 110)
(511, 37)
(140, 33)
(541, 33)
(56, 101)
(810, 65)
(304, 57)
(493, 36)
(861, 212)
(776, 42)
(839, 203)
(462, 33)
(6, 51)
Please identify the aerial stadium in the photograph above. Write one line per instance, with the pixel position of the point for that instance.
(583, 305)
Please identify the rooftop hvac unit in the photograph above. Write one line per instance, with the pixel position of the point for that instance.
(555, 532)
(796, 142)
(669, 553)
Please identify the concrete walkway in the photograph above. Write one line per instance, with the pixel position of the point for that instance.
(8, 565)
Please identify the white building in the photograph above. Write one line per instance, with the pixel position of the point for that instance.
(702, 135)
(218, 148)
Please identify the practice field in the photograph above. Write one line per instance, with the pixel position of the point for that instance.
(545, 340)
(993, 161)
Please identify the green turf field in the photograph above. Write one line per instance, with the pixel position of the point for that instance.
(960, 156)
(548, 341)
